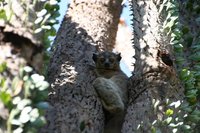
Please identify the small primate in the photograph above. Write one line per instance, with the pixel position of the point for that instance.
(111, 87)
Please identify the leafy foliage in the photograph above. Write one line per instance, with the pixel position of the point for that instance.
(172, 119)
(181, 26)
(22, 100)
(46, 18)
(182, 17)
(25, 101)
(38, 17)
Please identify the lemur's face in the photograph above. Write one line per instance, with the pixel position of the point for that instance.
(107, 60)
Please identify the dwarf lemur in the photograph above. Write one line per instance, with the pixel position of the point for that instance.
(111, 87)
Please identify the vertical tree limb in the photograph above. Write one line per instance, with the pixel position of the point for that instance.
(155, 80)
(75, 106)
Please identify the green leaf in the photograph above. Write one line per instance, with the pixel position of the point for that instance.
(168, 120)
(194, 118)
(42, 105)
(44, 85)
(28, 69)
(27, 86)
(189, 84)
(192, 93)
(34, 114)
(3, 14)
(169, 112)
(51, 22)
(191, 99)
(186, 127)
(196, 112)
(52, 32)
(169, 24)
(2, 82)
(37, 78)
(195, 57)
(47, 6)
(46, 17)
(197, 75)
(185, 29)
(179, 60)
(38, 30)
(197, 67)
(41, 95)
(186, 108)
(175, 104)
(25, 116)
(178, 48)
(53, 2)
(16, 100)
(13, 113)
(5, 97)
(41, 13)
(31, 129)
(3, 67)
(196, 47)
(54, 8)
(188, 40)
(15, 83)
(39, 122)
(18, 130)
(175, 125)
(46, 27)
(153, 129)
(38, 20)
(21, 73)
(21, 105)
(82, 125)
(55, 15)
(16, 122)
(184, 74)
(169, 6)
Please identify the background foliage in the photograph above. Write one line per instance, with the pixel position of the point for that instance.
(23, 101)
(181, 25)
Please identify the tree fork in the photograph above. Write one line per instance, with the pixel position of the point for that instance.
(88, 26)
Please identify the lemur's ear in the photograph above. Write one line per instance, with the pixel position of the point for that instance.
(119, 57)
(94, 57)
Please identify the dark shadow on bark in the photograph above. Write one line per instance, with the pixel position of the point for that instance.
(71, 75)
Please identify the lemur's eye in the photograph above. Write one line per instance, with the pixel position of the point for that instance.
(102, 59)
(111, 60)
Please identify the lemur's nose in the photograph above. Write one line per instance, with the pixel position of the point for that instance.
(107, 65)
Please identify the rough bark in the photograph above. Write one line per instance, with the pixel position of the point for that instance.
(20, 19)
(17, 35)
(75, 105)
(154, 78)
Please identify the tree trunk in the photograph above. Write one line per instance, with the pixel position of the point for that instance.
(154, 80)
(75, 105)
